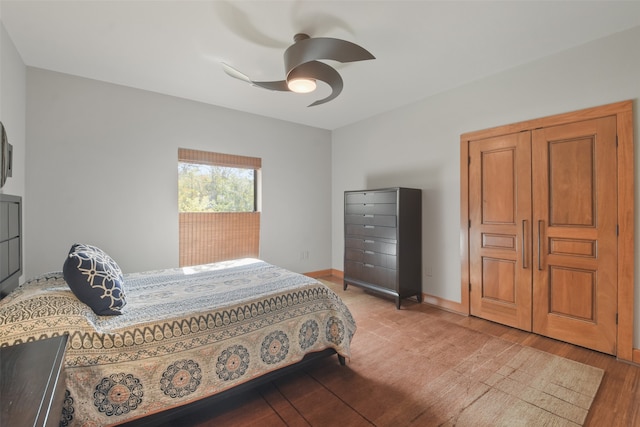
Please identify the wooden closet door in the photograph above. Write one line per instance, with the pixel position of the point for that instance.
(574, 226)
(500, 229)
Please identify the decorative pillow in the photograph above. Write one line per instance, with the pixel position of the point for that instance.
(95, 279)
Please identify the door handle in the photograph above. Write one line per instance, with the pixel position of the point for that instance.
(523, 240)
(540, 224)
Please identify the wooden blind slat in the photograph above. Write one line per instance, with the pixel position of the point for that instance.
(207, 237)
(218, 159)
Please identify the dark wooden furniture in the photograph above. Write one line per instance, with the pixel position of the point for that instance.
(32, 383)
(10, 242)
(383, 241)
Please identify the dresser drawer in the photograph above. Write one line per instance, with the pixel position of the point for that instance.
(371, 231)
(370, 209)
(375, 275)
(371, 219)
(371, 245)
(354, 255)
(9, 262)
(353, 242)
(380, 247)
(379, 260)
(371, 197)
(370, 257)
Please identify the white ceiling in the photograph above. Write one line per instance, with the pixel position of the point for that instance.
(422, 47)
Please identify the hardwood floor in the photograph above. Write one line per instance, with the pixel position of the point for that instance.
(314, 396)
(618, 400)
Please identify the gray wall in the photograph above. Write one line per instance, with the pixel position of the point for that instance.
(12, 114)
(103, 170)
(12, 109)
(418, 146)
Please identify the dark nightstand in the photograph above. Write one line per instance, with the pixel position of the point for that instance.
(31, 383)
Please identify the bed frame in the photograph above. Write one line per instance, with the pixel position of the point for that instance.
(163, 417)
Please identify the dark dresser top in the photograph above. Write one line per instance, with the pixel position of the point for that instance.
(30, 382)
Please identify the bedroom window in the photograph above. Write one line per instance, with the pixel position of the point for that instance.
(212, 188)
(219, 206)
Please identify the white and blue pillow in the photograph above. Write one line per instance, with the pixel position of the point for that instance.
(95, 279)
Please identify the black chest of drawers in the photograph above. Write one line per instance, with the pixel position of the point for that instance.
(383, 241)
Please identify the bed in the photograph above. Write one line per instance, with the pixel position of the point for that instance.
(184, 335)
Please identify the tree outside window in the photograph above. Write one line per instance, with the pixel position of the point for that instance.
(211, 188)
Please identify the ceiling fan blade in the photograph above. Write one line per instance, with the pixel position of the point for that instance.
(319, 71)
(312, 49)
(279, 85)
(235, 73)
(238, 22)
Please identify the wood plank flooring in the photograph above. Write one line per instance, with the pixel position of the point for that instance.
(311, 396)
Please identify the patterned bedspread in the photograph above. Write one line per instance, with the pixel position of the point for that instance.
(185, 334)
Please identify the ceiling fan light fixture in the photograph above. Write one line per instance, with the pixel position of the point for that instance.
(303, 66)
(301, 85)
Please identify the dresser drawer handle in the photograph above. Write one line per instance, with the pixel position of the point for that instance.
(369, 226)
(368, 216)
(369, 265)
(369, 252)
(369, 241)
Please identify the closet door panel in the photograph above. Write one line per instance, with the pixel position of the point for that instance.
(575, 218)
(500, 229)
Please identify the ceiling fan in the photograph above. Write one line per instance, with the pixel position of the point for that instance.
(303, 68)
